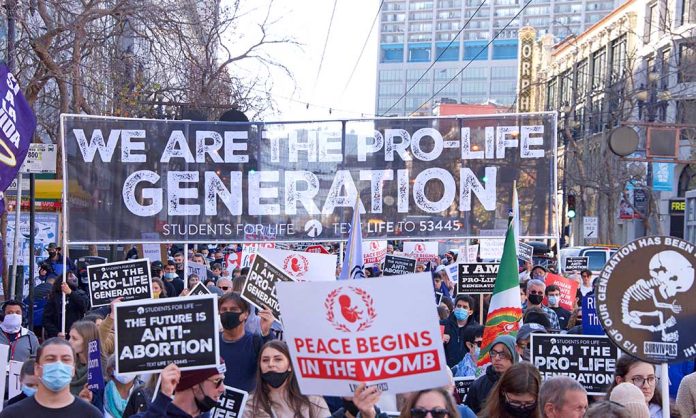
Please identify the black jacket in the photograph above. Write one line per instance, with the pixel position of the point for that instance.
(76, 305)
(138, 402)
(479, 390)
(456, 348)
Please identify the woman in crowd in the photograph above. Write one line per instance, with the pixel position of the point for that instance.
(193, 280)
(516, 394)
(277, 393)
(117, 391)
(630, 369)
(158, 289)
(436, 402)
(76, 303)
(81, 333)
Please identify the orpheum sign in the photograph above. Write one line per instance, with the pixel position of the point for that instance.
(527, 36)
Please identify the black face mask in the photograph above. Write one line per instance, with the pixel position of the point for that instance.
(275, 379)
(518, 411)
(230, 320)
(350, 407)
(535, 299)
(205, 404)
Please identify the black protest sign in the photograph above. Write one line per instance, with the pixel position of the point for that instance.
(259, 287)
(588, 359)
(477, 277)
(461, 387)
(150, 334)
(525, 251)
(231, 404)
(576, 263)
(644, 299)
(199, 289)
(395, 265)
(129, 280)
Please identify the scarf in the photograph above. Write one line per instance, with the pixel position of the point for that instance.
(113, 403)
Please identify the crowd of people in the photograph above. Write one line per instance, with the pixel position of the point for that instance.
(255, 359)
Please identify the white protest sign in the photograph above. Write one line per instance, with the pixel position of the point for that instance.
(341, 334)
(14, 387)
(374, 252)
(422, 251)
(249, 252)
(4, 354)
(303, 266)
(198, 269)
(491, 248)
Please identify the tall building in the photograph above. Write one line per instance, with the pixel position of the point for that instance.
(414, 33)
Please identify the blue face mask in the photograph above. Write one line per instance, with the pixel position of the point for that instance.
(27, 391)
(553, 300)
(56, 376)
(461, 314)
(170, 276)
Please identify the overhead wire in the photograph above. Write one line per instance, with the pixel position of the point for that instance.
(323, 52)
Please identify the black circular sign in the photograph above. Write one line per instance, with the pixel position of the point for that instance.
(645, 297)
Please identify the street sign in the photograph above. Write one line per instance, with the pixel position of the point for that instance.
(41, 158)
(590, 227)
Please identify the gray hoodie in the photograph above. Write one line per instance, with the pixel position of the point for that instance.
(23, 347)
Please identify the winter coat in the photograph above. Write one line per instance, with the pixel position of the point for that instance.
(75, 308)
(456, 348)
(480, 389)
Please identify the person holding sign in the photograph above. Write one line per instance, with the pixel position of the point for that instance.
(22, 342)
(76, 302)
(277, 393)
(55, 365)
(197, 392)
(237, 346)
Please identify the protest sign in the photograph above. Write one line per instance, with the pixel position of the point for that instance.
(644, 299)
(438, 298)
(526, 252)
(198, 269)
(590, 320)
(127, 279)
(461, 387)
(421, 251)
(568, 288)
(576, 263)
(199, 289)
(588, 359)
(200, 182)
(4, 354)
(303, 265)
(150, 334)
(374, 252)
(14, 386)
(316, 249)
(95, 378)
(395, 265)
(345, 333)
(260, 285)
(231, 404)
(232, 261)
(491, 248)
(452, 271)
(477, 278)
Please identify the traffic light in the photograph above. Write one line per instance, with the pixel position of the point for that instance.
(571, 207)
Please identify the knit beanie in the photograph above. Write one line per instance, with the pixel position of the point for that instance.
(628, 395)
(509, 342)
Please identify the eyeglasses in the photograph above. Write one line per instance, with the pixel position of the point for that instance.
(435, 412)
(224, 288)
(502, 354)
(640, 380)
(519, 404)
(217, 382)
(478, 343)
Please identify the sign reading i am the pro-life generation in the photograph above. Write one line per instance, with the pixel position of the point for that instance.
(129, 280)
(150, 334)
(477, 278)
(260, 285)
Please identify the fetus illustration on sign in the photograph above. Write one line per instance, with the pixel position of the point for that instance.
(670, 274)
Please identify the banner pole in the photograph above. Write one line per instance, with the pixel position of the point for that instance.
(340, 253)
(664, 387)
(481, 308)
(15, 240)
(186, 259)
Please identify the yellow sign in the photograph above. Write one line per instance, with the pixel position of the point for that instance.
(527, 36)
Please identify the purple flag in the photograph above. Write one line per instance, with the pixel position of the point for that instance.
(17, 124)
(95, 377)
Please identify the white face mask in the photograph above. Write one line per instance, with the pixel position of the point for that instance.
(124, 379)
(12, 323)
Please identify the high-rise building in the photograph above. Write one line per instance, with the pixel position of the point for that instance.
(414, 33)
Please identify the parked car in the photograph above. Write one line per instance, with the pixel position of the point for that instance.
(597, 256)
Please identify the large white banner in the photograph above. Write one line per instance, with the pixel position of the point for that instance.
(303, 266)
(343, 333)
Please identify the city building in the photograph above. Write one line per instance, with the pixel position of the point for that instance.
(627, 85)
(415, 34)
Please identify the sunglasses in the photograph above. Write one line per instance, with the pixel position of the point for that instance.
(217, 382)
(224, 288)
(435, 412)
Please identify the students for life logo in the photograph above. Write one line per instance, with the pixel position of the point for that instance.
(350, 309)
(296, 265)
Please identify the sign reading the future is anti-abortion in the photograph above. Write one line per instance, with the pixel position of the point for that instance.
(236, 182)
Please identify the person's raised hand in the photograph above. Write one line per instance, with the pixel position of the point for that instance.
(365, 398)
(170, 378)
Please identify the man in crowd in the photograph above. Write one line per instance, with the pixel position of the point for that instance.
(473, 337)
(535, 295)
(171, 277)
(456, 327)
(524, 336)
(225, 285)
(503, 356)
(586, 285)
(55, 367)
(539, 272)
(237, 346)
(197, 392)
(55, 258)
(553, 295)
(22, 342)
(179, 265)
(562, 397)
